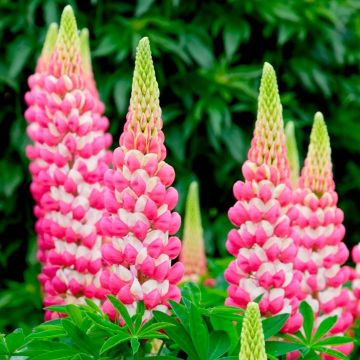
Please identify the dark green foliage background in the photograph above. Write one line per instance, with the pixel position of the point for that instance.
(208, 58)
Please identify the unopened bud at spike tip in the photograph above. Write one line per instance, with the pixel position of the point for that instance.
(317, 171)
(268, 144)
(85, 50)
(252, 336)
(292, 152)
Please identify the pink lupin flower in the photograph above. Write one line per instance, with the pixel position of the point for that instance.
(319, 231)
(68, 160)
(193, 250)
(139, 199)
(262, 243)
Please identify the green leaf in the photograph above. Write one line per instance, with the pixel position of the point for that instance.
(78, 336)
(219, 344)
(181, 312)
(199, 50)
(199, 332)
(332, 352)
(232, 38)
(11, 175)
(324, 327)
(74, 313)
(142, 6)
(308, 315)
(273, 325)
(278, 348)
(335, 340)
(178, 334)
(15, 340)
(114, 341)
(121, 308)
(135, 344)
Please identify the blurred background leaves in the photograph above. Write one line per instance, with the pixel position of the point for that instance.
(208, 58)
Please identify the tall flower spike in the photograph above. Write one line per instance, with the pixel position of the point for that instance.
(193, 253)
(262, 242)
(292, 152)
(68, 159)
(139, 199)
(252, 345)
(319, 231)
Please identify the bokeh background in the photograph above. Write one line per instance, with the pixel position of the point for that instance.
(208, 58)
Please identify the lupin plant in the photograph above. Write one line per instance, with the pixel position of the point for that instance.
(68, 159)
(139, 223)
(193, 251)
(319, 232)
(262, 243)
(292, 153)
(252, 343)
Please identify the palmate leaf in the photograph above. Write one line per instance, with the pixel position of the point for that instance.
(324, 327)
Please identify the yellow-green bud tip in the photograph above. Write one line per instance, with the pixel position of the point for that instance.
(292, 152)
(317, 171)
(48, 47)
(144, 101)
(68, 32)
(252, 336)
(85, 50)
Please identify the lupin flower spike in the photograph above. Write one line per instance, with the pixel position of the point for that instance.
(292, 153)
(139, 199)
(193, 253)
(262, 243)
(252, 344)
(319, 232)
(67, 162)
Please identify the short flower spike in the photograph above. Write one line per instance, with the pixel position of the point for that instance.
(48, 48)
(252, 345)
(319, 231)
(262, 242)
(317, 172)
(140, 223)
(68, 159)
(193, 253)
(292, 153)
(268, 145)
